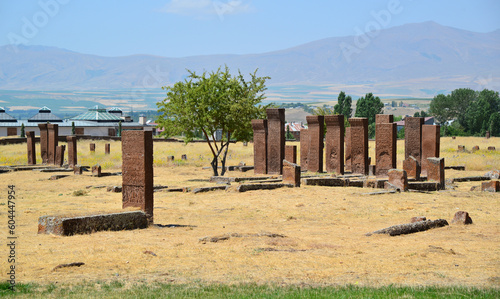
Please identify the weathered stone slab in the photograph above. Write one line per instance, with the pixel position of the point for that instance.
(424, 186)
(409, 228)
(251, 187)
(458, 167)
(461, 217)
(412, 167)
(385, 147)
(137, 171)
(347, 164)
(316, 131)
(275, 140)
(53, 135)
(96, 170)
(471, 179)
(291, 173)
(259, 127)
(77, 169)
(30, 140)
(68, 226)
(413, 138)
(359, 145)
(44, 143)
(435, 171)
(491, 186)
(431, 143)
(72, 151)
(334, 155)
(208, 189)
(304, 148)
(291, 153)
(59, 161)
(398, 178)
(328, 182)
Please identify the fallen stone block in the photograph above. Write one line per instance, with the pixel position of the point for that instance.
(207, 189)
(461, 217)
(459, 167)
(291, 173)
(471, 179)
(409, 228)
(251, 187)
(399, 178)
(68, 226)
(116, 189)
(58, 176)
(245, 168)
(494, 174)
(424, 186)
(357, 183)
(491, 186)
(328, 182)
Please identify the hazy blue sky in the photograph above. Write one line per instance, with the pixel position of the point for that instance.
(177, 28)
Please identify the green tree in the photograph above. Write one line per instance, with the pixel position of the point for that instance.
(343, 106)
(369, 106)
(495, 124)
(73, 128)
(23, 134)
(120, 129)
(477, 117)
(289, 134)
(211, 102)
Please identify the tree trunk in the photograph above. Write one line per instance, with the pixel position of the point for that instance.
(409, 228)
(215, 166)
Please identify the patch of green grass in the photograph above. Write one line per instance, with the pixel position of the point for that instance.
(117, 289)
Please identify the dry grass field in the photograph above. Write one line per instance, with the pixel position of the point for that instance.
(324, 228)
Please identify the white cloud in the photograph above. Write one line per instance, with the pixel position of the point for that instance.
(201, 8)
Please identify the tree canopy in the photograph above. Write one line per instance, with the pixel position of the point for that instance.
(212, 102)
(344, 105)
(369, 106)
(473, 112)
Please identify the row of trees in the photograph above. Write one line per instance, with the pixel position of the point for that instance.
(468, 112)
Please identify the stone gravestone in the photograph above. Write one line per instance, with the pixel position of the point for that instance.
(96, 170)
(44, 143)
(347, 139)
(461, 149)
(398, 178)
(475, 148)
(30, 140)
(304, 148)
(184, 157)
(291, 173)
(412, 167)
(487, 134)
(59, 161)
(259, 127)
(137, 171)
(435, 171)
(334, 153)
(385, 144)
(316, 131)
(431, 140)
(359, 145)
(92, 147)
(107, 149)
(170, 158)
(275, 140)
(413, 138)
(53, 134)
(72, 153)
(77, 169)
(291, 153)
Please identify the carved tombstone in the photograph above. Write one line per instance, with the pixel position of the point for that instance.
(291, 173)
(413, 138)
(430, 144)
(259, 127)
(316, 135)
(385, 144)
(291, 153)
(347, 139)
(275, 140)
(59, 161)
(30, 139)
(72, 152)
(44, 143)
(359, 145)
(334, 153)
(53, 134)
(304, 148)
(435, 171)
(137, 171)
(107, 149)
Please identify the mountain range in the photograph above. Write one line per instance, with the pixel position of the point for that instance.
(419, 59)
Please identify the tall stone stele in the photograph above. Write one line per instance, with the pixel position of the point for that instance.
(53, 134)
(316, 131)
(72, 152)
(385, 144)
(30, 139)
(259, 127)
(275, 140)
(44, 143)
(359, 145)
(334, 151)
(137, 171)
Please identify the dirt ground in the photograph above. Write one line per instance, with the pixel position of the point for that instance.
(323, 229)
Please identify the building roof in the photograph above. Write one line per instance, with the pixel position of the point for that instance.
(45, 115)
(4, 117)
(97, 114)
